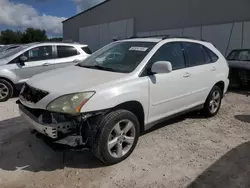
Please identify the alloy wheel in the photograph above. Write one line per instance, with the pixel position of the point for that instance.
(4, 91)
(121, 138)
(214, 104)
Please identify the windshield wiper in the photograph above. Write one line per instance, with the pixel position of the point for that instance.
(97, 67)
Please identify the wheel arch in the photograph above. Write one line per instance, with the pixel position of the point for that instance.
(8, 80)
(221, 85)
(136, 108)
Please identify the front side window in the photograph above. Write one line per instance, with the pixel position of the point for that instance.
(196, 54)
(239, 55)
(39, 53)
(121, 57)
(66, 51)
(171, 52)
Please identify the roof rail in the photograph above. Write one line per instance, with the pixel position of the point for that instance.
(165, 37)
(150, 36)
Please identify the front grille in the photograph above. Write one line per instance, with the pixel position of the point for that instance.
(32, 94)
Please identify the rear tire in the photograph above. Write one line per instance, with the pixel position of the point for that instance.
(6, 90)
(213, 102)
(116, 137)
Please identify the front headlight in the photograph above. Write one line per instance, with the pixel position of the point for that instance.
(71, 103)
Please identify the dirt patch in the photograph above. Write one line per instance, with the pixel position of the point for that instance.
(189, 151)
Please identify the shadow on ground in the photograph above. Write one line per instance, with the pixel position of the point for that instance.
(231, 170)
(243, 118)
(190, 115)
(21, 150)
(239, 91)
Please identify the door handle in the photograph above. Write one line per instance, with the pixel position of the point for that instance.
(46, 64)
(213, 69)
(186, 75)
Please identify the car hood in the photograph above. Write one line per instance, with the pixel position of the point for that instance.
(239, 64)
(3, 61)
(72, 79)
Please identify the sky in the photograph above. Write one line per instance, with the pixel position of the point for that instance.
(40, 14)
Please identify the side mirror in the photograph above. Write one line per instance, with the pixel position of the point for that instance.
(23, 59)
(161, 67)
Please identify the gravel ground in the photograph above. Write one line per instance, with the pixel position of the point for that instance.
(185, 152)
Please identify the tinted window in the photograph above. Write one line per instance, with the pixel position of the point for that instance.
(66, 51)
(211, 54)
(196, 54)
(39, 53)
(239, 55)
(86, 50)
(171, 52)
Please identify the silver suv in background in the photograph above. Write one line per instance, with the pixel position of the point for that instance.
(19, 64)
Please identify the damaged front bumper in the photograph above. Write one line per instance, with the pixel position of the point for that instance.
(60, 128)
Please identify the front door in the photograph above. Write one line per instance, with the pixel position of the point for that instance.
(169, 92)
(40, 59)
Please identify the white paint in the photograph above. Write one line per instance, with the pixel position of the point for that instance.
(160, 95)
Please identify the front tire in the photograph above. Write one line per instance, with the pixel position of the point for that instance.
(116, 137)
(213, 102)
(6, 90)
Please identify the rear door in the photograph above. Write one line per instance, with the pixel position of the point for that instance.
(40, 59)
(203, 68)
(66, 56)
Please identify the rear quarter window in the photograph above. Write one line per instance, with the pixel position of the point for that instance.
(86, 50)
(66, 51)
(211, 54)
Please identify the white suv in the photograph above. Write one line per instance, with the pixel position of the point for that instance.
(104, 106)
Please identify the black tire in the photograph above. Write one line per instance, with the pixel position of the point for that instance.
(206, 109)
(10, 90)
(108, 122)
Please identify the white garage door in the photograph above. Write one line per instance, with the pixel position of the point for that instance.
(97, 36)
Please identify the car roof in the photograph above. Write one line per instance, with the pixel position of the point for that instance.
(157, 39)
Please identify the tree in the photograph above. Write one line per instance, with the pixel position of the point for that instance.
(56, 39)
(10, 37)
(34, 35)
(17, 37)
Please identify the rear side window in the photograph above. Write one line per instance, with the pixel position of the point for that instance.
(66, 51)
(211, 54)
(196, 54)
(86, 50)
(171, 52)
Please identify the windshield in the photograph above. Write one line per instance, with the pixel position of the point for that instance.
(12, 51)
(121, 57)
(239, 55)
